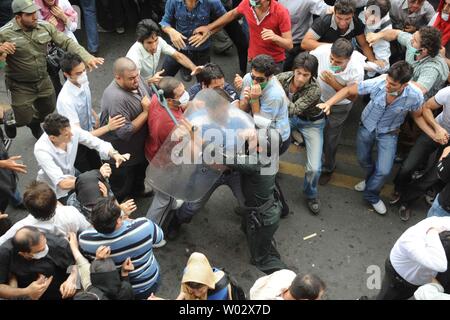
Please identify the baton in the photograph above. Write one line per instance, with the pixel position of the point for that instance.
(160, 94)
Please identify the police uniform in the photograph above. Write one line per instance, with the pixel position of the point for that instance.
(26, 71)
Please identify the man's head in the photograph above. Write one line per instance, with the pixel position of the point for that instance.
(26, 13)
(126, 74)
(341, 52)
(415, 5)
(30, 243)
(376, 10)
(174, 92)
(427, 41)
(445, 9)
(106, 215)
(263, 67)
(74, 69)
(398, 77)
(57, 127)
(305, 287)
(211, 76)
(49, 2)
(343, 13)
(40, 200)
(147, 33)
(304, 67)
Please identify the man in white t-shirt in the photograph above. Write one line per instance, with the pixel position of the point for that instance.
(435, 136)
(339, 66)
(46, 215)
(147, 50)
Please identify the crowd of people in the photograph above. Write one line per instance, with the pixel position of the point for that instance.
(303, 64)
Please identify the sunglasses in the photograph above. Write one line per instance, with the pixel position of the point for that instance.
(258, 79)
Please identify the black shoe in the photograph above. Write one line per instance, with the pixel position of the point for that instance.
(404, 212)
(36, 129)
(395, 198)
(9, 122)
(325, 177)
(173, 229)
(399, 159)
(186, 75)
(314, 206)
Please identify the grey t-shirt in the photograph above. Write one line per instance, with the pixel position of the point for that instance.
(115, 101)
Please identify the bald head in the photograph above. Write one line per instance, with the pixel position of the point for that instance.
(26, 238)
(123, 64)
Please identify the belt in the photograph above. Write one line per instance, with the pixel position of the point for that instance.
(314, 118)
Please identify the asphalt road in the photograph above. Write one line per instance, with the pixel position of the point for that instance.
(350, 237)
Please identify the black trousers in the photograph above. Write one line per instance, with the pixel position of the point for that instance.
(87, 159)
(128, 181)
(394, 287)
(237, 35)
(199, 58)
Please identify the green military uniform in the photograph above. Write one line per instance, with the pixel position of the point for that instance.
(26, 71)
(262, 216)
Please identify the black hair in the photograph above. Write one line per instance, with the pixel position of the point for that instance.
(168, 85)
(383, 5)
(54, 123)
(146, 29)
(306, 61)
(344, 7)
(430, 39)
(210, 72)
(40, 200)
(28, 238)
(265, 64)
(105, 214)
(342, 48)
(70, 61)
(401, 72)
(306, 287)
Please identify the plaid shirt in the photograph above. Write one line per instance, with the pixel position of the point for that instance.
(304, 101)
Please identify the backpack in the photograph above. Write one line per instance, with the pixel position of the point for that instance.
(237, 293)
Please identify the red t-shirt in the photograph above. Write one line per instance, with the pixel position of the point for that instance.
(159, 126)
(278, 20)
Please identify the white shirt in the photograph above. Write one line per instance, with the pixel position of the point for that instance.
(272, 286)
(66, 219)
(353, 72)
(56, 164)
(71, 26)
(418, 256)
(75, 104)
(442, 97)
(147, 62)
(431, 291)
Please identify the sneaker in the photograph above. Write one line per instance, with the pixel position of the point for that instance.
(325, 177)
(361, 186)
(9, 122)
(395, 198)
(429, 197)
(36, 129)
(160, 244)
(7, 143)
(120, 30)
(314, 206)
(379, 207)
(178, 204)
(404, 213)
(186, 75)
(298, 138)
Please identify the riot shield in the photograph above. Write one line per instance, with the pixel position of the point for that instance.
(194, 154)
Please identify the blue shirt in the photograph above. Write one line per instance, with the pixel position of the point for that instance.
(377, 115)
(274, 104)
(133, 239)
(177, 16)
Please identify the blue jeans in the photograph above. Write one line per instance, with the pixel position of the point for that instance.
(379, 170)
(436, 210)
(90, 23)
(313, 134)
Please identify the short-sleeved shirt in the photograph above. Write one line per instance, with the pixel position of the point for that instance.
(147, 62)
(353, 73)
(55, 264)
(277, 19)
(400, 14)
(178, 16)
(430, 72)
(325, 29)
(443, 98)
(76, 105)
(117, 101)
(159, 126)
(387, 118)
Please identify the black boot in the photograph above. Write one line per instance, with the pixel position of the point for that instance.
(36, 129)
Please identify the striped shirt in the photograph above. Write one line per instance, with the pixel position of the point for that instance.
(387, 118)
(133, 239)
